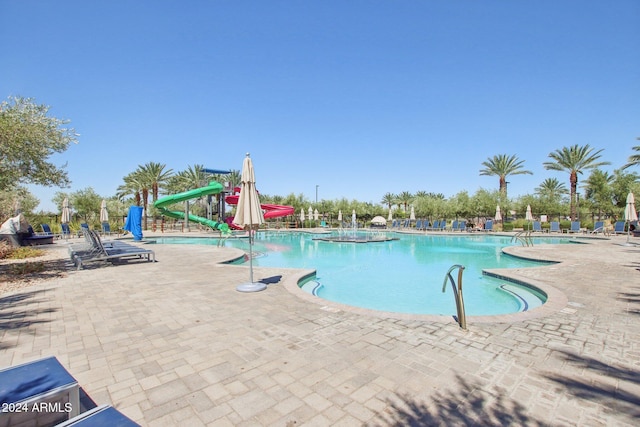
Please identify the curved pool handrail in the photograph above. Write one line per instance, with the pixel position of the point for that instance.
(457, 293)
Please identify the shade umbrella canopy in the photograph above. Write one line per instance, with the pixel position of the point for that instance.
(65, 217)
(528, 215)
(378, 220)
(248, 212)
(104, 214)
(630, 213)
(249, 216)
(498, 216)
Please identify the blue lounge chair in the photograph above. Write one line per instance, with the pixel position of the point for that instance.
(537, 227)
(488, 226)
(46, 231)
(619, 228)
(598, 227)
(555, 227)
(454, 225)
(462, 226)
(443, 224)
(41, 381)
(106, 229)
(435, 225)
(419, 224)
(66, 230)
(575, 227)
(104, 415)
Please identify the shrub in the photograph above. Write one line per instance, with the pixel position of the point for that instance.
(5, 249)
(25, 252)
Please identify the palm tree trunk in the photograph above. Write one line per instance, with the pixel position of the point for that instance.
(573, 180)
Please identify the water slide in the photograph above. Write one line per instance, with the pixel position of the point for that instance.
(213, 188)
(270, 211)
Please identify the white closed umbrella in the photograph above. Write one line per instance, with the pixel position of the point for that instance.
(339, 216)
(630, 213)
(310, 214)
(316, 215)
(353, 218)
(412, 215)
(104, 214)
(302, 216)
(249, 216)
(390, 217)
(528, 216)
(498, 216)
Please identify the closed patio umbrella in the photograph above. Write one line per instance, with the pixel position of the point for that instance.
(528, 216)
(302, 216)
(498, 216)
(630, 213)
(340, 217)
(390, 217)
(412, 215)
(316, 215)
(353, 219)
(249, 216)
(104, 214)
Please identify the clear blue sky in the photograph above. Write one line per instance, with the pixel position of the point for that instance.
(359, 97)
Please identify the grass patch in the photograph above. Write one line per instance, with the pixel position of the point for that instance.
(26, 268)
(25, 252)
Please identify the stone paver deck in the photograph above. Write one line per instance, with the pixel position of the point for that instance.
(173, 343)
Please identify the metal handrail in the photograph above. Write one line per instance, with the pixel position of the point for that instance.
(457, 293)
(524, 237)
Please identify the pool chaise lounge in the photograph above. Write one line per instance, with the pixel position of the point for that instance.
(94, 250)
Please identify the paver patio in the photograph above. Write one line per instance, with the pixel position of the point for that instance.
(173, 343)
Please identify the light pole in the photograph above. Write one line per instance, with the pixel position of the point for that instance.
(317, 194)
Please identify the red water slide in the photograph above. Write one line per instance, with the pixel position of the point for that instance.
(270, 211)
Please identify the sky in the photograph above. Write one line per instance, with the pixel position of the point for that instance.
(353, 98)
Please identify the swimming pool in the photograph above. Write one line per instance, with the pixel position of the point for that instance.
(404, 275)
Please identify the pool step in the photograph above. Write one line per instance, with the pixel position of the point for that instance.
(312, 287)
(528, 299)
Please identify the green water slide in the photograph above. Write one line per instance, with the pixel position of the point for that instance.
(213, 188)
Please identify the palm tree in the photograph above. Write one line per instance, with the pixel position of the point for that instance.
(575, 160)
(156, 175)
(389, 199)
(634, 159)
(131, 186)
(405, 198)
(502, 166)
(551, 189)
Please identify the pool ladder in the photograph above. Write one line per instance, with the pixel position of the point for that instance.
(524, 237)
(457, 293)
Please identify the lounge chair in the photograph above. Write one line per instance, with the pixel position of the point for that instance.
(575, 227)
(95, 250)
(598, 227)
(29, 384)
(537, 227)
(434, 226)
(106, 229)
(488, 226)
(103, 415)
(443, 224)
(419, 224)
(66, 230)
(46, 231)
(462, 226)
(619, 228)
(454, 225)
(555, 227)
(30, 238)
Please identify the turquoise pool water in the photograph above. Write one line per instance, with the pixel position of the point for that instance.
(404, 275)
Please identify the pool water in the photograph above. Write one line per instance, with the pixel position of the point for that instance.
(404, 276)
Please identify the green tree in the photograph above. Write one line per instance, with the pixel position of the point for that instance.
(405, 198)
(575, 160)
(634, 159)
(599, 192)
(17, 195)
(503, 165)
(389, 199)
(551, 192)
(28, 138)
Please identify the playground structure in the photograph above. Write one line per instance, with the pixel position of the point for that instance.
(230, 196)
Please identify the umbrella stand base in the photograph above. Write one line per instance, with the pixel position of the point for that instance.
(251, 287)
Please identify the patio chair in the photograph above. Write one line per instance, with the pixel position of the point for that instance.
(41, 381)
(454, 225)
(419, 224)
(537, 227)
(488, 226)
(462, 226)
(46, 231)
(103, 415)
(598, 227)
(443, 224)
(575, 227)
(106, 229)
(30, 238)
(619, 228)
(66, 230)
(555, 227)
(97, 251)
(434, 226)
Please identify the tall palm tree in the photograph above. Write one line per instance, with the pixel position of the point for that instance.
(389, 199)
(503, 165)
(551, 189)
(131, 186)
(156, 175)
(405, 198)
(634, 159)
(575, 160)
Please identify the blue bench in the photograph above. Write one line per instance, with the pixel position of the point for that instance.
(41, 393)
